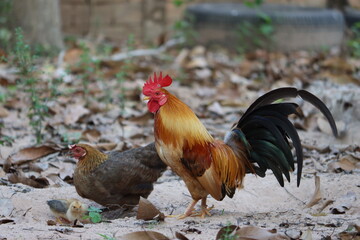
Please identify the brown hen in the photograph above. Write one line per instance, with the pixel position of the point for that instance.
(116, 179)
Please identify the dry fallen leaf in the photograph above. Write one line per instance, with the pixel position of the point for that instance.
(91, 135)
(249, 232)
(344, 203)
(33, 181)
(180, 236)
(228, 231)
(6, 207)
(2, 172)
(106, 146)
(3, 112)
(337, 64)
(324, 126)
(181, 58)
(216, 108)
(316, 197)
(74, 112)
(6, 220)
(30, 154)
(144, 235)
(147, 211)
(72, 56)
(307, 235)
(346, 163)
(51, 223)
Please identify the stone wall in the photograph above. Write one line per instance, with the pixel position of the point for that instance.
(114, 19)
(146, 19)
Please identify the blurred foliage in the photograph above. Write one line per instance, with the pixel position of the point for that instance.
(254, 3)
(255, 35)
(179, 3)
(24, 60)
(184, 27)
(354, 42)
(5, 33)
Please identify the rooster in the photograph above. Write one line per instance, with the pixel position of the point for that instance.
(257, 142)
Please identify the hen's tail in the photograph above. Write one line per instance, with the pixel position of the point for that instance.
(264, 130)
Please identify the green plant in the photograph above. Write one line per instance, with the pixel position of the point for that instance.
(228, 233)
(106, 237)
(23, 57)
(89, 70)
(104, 49)
(5, 33)
(87, 65)
(152, 224)
(120, 78)
(123, 73)
(5, 140)
(354, 42)
(94, 214)
(54, 84)
(252, 35)
(70, 138)
(24, 60)
(184, 28)
(253, 3)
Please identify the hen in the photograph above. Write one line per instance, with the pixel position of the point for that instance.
(116, 179)
(259, 141)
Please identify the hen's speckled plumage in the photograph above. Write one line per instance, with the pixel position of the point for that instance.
(117, 179)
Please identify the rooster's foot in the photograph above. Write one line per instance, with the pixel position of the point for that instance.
(205, 211)
(190, 210)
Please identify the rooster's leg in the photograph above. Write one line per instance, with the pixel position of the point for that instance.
(202, 213)
(189, 210)
(204, 209)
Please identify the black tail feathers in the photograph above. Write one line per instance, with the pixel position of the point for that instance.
(265, 129)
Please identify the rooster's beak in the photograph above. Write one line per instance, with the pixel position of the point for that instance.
(146, 98)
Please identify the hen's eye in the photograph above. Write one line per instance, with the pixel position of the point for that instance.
(157, 93)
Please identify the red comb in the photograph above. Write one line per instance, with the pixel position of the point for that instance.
(157, 82)
(72, 146)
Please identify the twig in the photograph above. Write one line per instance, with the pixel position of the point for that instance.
(142, 52)
(292, 195)
(318, 149)
(27, 210)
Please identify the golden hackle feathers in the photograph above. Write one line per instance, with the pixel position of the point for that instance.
(177, 118)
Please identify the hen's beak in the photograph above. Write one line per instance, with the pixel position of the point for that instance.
(146, 98)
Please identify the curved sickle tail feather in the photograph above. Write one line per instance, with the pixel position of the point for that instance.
(265, 129)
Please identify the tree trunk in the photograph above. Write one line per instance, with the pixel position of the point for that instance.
(40, 21)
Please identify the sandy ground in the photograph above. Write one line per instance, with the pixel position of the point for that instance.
(261, 203)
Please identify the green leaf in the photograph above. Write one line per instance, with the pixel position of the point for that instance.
(178, 3)
(94, 214)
